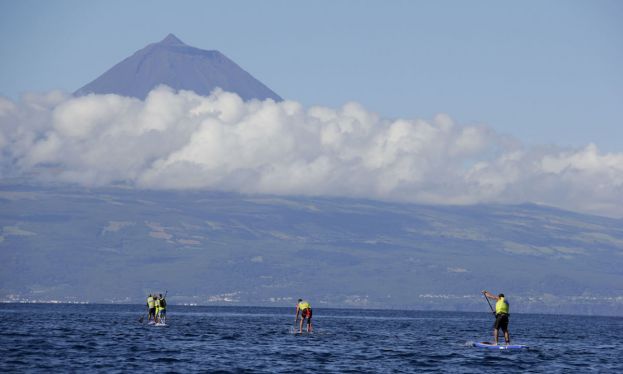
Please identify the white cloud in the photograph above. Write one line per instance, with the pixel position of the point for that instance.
(182, 140)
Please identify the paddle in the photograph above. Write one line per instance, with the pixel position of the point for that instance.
(296, 320)
(140, 320)
(164, 297)
(295, 329)
(484, 293)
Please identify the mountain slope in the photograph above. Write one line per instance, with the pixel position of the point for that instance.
(181, 67)
(210, 248)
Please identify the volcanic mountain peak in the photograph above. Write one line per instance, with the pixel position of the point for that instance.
(171, 40)
(173, 63)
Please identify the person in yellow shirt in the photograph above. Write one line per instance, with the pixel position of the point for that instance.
(304, 307)
(502, 311)
(162, 313)
(151, 308)
(157, 305)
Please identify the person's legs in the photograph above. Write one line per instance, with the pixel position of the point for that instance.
(504, 326)
(496, 327)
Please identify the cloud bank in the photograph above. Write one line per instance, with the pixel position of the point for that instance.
(186, 141)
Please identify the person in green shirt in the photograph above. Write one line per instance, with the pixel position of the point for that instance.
(304, 307)
(162, 313)
(502, 311)
(151, 308)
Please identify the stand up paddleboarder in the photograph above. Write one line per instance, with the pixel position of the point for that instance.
(162, 309)
(305, 309)
(502, 310)
(151, 308)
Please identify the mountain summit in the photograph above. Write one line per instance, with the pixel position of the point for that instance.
(181, 67)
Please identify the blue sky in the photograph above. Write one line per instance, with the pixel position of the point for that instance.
(547, 72)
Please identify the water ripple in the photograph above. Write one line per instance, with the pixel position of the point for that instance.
(109, 338)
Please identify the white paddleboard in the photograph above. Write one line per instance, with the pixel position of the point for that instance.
(489, 345)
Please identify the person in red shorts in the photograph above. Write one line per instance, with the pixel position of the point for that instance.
(304, 307)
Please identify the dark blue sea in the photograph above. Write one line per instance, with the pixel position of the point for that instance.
(110, 338)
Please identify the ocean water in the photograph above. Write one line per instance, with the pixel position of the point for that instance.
(109, 338)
